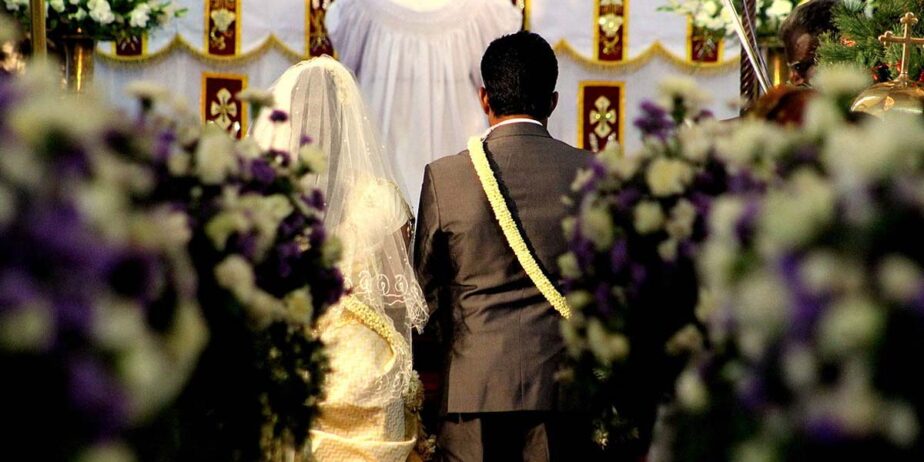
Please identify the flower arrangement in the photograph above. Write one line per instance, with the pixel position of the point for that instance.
(100, 19)
(100, 326)
(712, 19)
(266, 273)
(630, 273)
(815, 291)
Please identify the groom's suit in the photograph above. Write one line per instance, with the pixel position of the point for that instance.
(505, 346)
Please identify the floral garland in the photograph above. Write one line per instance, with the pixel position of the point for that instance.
(511, 231)
(373, 320)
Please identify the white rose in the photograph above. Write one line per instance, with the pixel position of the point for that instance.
(140, 15)
(597, 225)
(313, 158)
(569, 266)
(215, 157)
(648, 217)
(779, 8)
(57, 5)
(793, 215)
(666, 177)
(684, 88)
(100, 11)
(79, 15)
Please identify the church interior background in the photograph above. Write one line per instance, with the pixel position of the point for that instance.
(612, 54)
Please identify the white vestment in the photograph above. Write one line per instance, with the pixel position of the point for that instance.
(419, 72)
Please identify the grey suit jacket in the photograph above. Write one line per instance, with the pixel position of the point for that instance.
(505, 345)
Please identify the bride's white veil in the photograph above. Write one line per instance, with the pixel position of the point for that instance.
(364, 207)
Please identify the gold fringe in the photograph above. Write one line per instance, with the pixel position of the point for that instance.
(655, 50)
(181, 44)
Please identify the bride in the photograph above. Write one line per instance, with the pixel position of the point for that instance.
(366, 414)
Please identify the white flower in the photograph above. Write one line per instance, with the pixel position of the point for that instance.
(146, 90)
(223, 18)
(800, 367)
(901, 424)
(899, 278)
(850, 326)
(140, 15)
(582, 179)
(795, 214)
(574, 343)
(215, 157)
(648, 217)
(666, 177)
(79, 15)
(235, 274)
(821, 271)
(299, 306)
(569, 266)
(260, 98)
(668, 250)
(605, 346)
(109, 451)
(57, 5)
(26, 328)
(691, 392)
(100, 11)
(597, 225)
(686, 340)
(14, 5)
(761, 309)
(683, 88)
(178, 163)
(683, 216)
(821, 116)
(313, 158)
(779, 8)
(695, 141)
(839, 80)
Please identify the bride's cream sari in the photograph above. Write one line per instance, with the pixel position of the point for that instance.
(372, 389)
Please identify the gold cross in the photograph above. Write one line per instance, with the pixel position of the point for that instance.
(906, 39)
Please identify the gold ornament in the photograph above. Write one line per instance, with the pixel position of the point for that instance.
(901, 95)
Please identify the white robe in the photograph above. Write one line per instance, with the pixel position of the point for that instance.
(419, 72)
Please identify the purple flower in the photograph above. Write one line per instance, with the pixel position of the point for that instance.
(163, 145)
(654, 121)
(262, 172)
(602, 297)
(16, 288)
(619, 255)
(305, 140)
(278, 116)
(627, 198)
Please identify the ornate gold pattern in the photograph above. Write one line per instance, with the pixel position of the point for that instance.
(511, 230)
(610, 17)
(603, 117)
(220, 37)
(601, 106)
(220, 106)
(224, 109)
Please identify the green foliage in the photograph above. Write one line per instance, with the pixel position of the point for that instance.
(860, 24)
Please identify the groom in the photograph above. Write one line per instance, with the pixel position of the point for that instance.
(501, 401)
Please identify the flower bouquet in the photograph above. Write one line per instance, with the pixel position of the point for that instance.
(630, 271)
(816, 303)
(710, 18)
(99, 19)
(100, 328)
(266, 273)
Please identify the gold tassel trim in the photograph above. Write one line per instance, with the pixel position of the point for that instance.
(639, 61)
(180, 44)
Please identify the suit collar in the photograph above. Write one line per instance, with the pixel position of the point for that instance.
(518, 129)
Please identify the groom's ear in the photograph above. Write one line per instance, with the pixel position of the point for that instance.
(554, 102)
(485, 103)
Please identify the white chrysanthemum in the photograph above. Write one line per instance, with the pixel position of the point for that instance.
(667, 250)
(606, 347)
(648, 217)
(140, 16)
(597, 225)
(101, 11)
(692, 394)
(821, 271)
(666, 177)
(849, 326)
(686, 340)
(901, 423)
(15, 5)
(583, 177)
(795, 214)
(800, 367)
(899, 278)
(761, 311)
(179, 163)
(299, 306)
(751, 140)
(79, 15)
(695, 141)
(215, 157)
(724, 217)
(261, 98)
(118, 323)
(145, 89)
(574, 342)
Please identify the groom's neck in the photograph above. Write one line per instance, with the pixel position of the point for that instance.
(494, 120)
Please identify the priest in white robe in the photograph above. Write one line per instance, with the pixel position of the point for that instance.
(417, 65)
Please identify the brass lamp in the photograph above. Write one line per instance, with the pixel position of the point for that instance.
(902, 95)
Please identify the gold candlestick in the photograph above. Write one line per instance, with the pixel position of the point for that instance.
(39, 44)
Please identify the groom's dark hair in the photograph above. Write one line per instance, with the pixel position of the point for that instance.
(519, 73)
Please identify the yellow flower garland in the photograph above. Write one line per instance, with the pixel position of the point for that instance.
(511, 231)
(373, 320)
